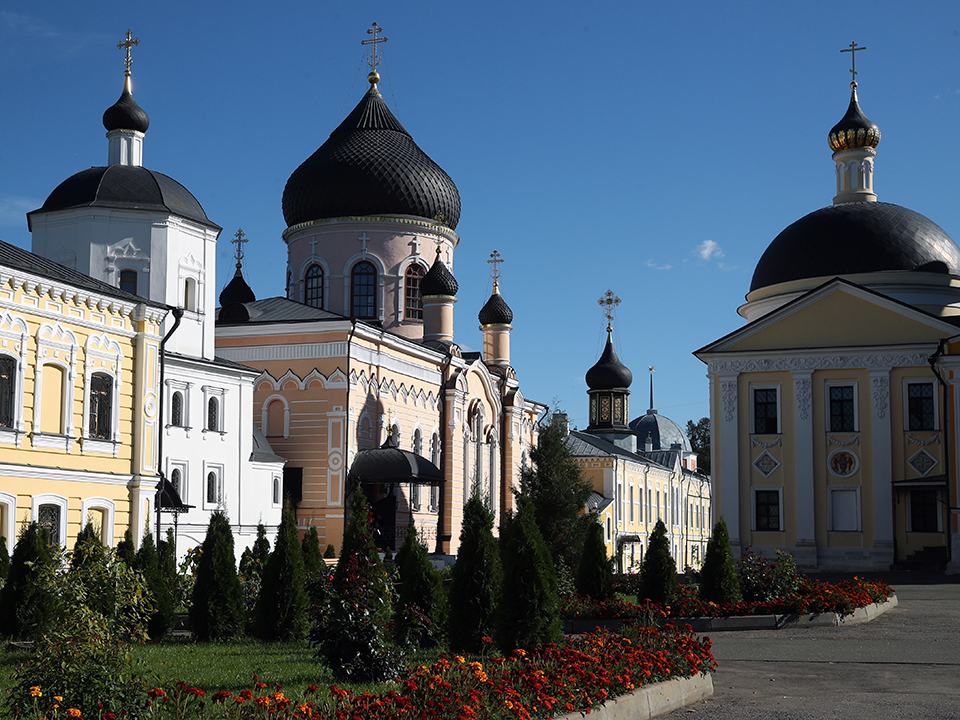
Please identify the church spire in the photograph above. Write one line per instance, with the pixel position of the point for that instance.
(853, 141)
(125, 121)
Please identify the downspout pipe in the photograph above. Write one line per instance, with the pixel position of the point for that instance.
(177, 317)
(346, 435)
(442, 455)
(945, 389)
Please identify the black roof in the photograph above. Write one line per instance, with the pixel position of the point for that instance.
(855, 130)
(609, 373)
(495, 311)
(857, 237)
(438, 280)
(370, 166)
(236, 291)
(125, 114)
(663, 431)
(126, 187)
(280, 310)
(13, 256)
(390, 464)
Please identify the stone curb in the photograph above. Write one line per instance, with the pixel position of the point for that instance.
(652, 700)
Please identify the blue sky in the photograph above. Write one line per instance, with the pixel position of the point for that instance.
(650, 149)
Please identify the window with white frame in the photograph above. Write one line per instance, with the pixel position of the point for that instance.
(177, 473)
(14, 339)
(213, 486)
(920, 401)
(844, 509)
(8, 391)
(178, 402)
(100, 407)
(842, 407)
(765, 409)
(276, 491)
(435, 459)
(50, 512)
(767, 509)
(215, 410)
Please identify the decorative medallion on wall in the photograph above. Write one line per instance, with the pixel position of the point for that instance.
(766, 463)
(923, 462)
(843, 463)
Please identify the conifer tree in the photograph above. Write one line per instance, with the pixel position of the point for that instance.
(216, 610)
(330, 552)
(422, 603)
(261, 547)
(528, 614)
(282, 607)
(718, 576)
(87, 546)
(476, 581)
(658, 571)
(25, 610)
(4, 560)
(125, 550)
(555, 485)
(595, 570)
(167, 553)
(148, 563)
(312, 558)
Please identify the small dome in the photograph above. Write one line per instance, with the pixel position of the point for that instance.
(854, 130)
(236, 291)
(609, 373)
(853, 238)
(125, 114)
(127, 187)
(370, 166)
(662, 431)
(438, 280)
(496, 311)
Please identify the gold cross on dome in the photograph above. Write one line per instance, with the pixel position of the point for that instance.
(853, 49)
(375, 30)
(127, 44)
(239, 239)
(495, 260)
(609, 303)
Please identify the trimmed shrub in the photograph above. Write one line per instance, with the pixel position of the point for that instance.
(476, 580)
(283, 605)
(528, 614)
(658, 571)
(718, 576)
(87, 545)
(26, 610)
(595, 571)
(4, 561)
(125, 549)
(163, 617)
(216, 610)
(421, 613)
(312, 558)
(330, 552)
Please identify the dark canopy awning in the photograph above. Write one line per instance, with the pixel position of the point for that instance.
(168, 499)
(389, 464)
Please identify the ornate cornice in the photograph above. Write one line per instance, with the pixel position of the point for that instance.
(827, 361)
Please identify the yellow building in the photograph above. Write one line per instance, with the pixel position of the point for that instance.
(828, 421)
(79, 379)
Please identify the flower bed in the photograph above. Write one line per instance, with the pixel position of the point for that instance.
(812, 596)
(577, 675)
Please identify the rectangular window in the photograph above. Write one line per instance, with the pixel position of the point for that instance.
(765, 411)
(842, 409)
(844, 510)
(766, 503)
(924, 513)
(631, 505)
(920, 407)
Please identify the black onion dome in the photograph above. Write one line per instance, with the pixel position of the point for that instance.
(438, 280)
(853, 238)
(125, 114)
(236, 291)
(662, 431)
(127, 187)
(496, 311)
(370, 166)
(855, 130)
(609, 373)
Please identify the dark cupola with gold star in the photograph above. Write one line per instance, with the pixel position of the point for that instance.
(608, 383)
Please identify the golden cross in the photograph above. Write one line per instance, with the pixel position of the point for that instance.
(853, 59)
(375, 30)
(609, 302)
(495, 260)
(239, 239)
(128, 43)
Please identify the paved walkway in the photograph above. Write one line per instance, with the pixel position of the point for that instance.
(904, 664)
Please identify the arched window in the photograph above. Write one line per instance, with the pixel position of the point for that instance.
(8, 388)
(128, 281)
(176, 409)
(435, 459)
(176, 479)
(213, 414)
(275, 419)
(213, 488)
(413, 305)
(363, 290)
(313, 288)
(189, 294)
(51, 400)
(276, 491)
(48, 517)
(289, 284)
(101, 410)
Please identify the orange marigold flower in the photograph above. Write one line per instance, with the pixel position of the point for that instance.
(58, 698)
(74, 713)
(35, 691)
(156, 693)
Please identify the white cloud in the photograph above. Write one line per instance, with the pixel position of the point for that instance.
(708, 250)
(655, 266)
(13, 209)
(28, 25)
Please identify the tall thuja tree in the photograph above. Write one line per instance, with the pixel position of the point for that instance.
(216, 609)
(88, 547)
(25, 608)
(125, 549)
(528, 614)
(148, 563)
(282, 611)
(595, 570)
(252, 562)
(422, 603)
(476, 581)
(354, 641)
(558, 491)
(718, 576)
(4, 561)
(312, 555)
(658, 571)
